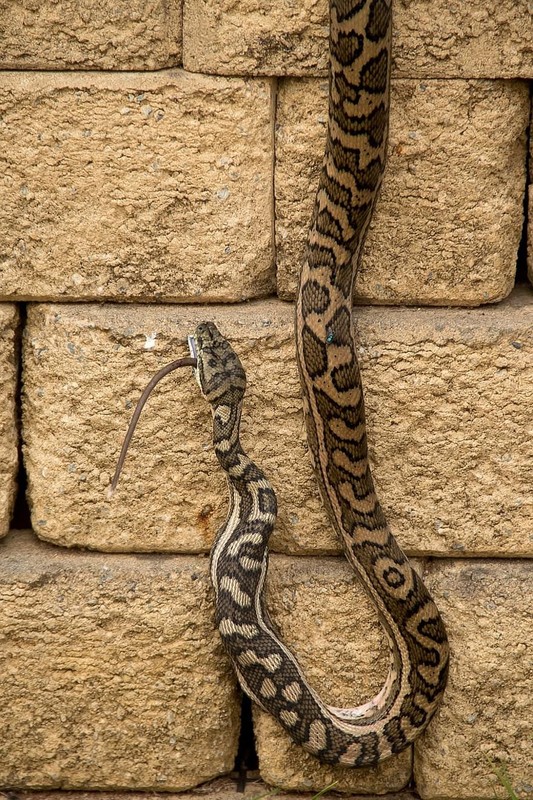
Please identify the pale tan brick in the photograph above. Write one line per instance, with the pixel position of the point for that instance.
(432, 38)
(8, 422)
(449, 219)
(130, 185)
(448, 394)
(253, 37)
(479, 39)
(488, 706)
(89, 34)
(85, 367)
(219, 789)
(325, 617)
(113, 675)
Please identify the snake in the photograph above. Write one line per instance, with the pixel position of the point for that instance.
(326, 349)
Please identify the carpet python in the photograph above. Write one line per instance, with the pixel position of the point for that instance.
(267, 670)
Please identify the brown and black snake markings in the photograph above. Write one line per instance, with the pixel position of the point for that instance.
(334, 409)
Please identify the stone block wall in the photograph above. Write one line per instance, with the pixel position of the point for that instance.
(159, 163)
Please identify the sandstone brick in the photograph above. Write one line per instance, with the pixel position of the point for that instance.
(85, 367)
(324, 615)
(432, 39)
(265, 38)
(449, 219)
(8, 421)
(448, 396)
(487, 710)
(219, 789)
(130, 185)
(113, 675)
(90, 34)
(480, 39)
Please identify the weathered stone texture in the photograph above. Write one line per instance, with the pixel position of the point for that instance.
(432, 38)
(8, 421)
(85, 367)
(324, 615)
(487, 710)
(219, 789)
(448, 399)
(328, 621)
(131, 185)
(89, 34)
(255, 37)
(479, 39)
(449, 219)
(113, 675)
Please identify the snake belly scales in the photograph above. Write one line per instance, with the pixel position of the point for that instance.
(360, 32)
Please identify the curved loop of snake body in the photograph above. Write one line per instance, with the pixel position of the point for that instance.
(334, 410)
(353, 166)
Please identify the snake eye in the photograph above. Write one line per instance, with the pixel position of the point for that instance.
(330, 337)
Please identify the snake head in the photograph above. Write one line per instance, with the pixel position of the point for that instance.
(219, 372)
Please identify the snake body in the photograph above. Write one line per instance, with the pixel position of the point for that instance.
(334, 410)
(269, 673)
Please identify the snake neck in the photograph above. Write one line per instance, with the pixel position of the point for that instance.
(252, 509)
(245, 478)
(239, 555)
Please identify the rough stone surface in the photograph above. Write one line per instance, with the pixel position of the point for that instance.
(324, 615)
(432, 38)
(8, 421)
(135, 185)
(85, 368)
(448, 395)
(221, 789)
(479, 39)
(89, 34)
(112, 674)
(487, 710)
(449, 219)
(255, 37)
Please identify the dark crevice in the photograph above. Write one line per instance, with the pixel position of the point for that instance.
(246, 760)
(274, 117)
(20, 518)
(521, 263)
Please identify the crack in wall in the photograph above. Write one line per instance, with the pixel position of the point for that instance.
(246, 760)
(20, 517)
(521, 276)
